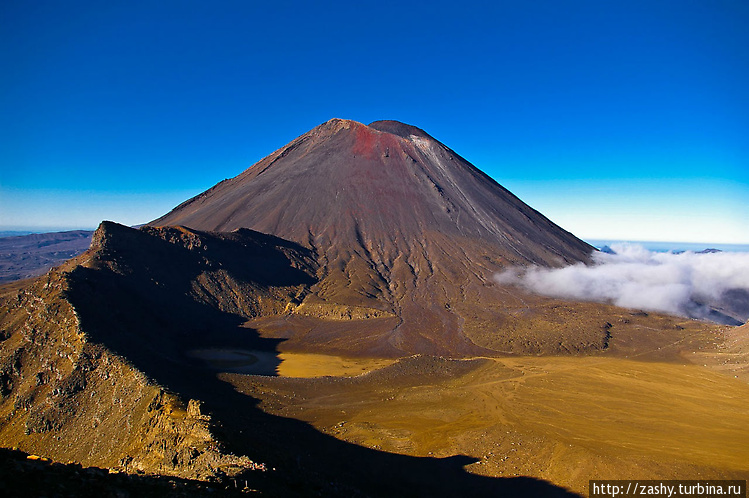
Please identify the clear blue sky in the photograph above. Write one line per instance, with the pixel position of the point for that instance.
(619, 120)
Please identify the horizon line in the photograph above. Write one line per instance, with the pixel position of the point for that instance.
(26, 230)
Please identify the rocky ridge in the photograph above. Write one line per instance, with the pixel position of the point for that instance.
(69, 387)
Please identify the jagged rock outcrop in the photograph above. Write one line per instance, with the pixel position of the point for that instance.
(74, 400)
(87, 350)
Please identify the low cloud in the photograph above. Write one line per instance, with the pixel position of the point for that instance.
(690, 284)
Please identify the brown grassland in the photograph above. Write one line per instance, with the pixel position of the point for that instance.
(653, 414)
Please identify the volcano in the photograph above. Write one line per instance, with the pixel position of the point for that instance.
(381, 191)
(401, 226)
(329, 323)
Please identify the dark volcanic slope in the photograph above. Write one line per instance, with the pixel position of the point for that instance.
(399, 222)
(384, 188)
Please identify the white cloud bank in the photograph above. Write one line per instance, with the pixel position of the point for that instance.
(686, 284)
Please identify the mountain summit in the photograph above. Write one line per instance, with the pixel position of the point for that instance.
(401, 225)
(380, 187)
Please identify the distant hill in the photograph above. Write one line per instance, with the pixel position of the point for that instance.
(14, 233)
(26, 256)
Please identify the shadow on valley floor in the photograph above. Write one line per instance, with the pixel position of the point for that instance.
(307, 462)
(144, 308)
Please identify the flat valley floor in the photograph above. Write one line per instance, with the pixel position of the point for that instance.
(677, 412)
